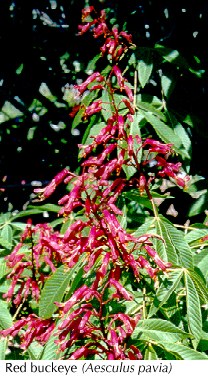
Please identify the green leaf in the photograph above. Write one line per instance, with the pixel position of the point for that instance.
(85, 103)
(78, 118)
(168, 83)
(3, 347)
(181, 132)
(134, 195)
(135, 131)
(167, 287)
(94, 131)
(196, 234)
(172, 56)
(193, 309)
(145, 228)
(35, 350)
(174, 248)
(199, 205)
(32, 210)
(18, 226)
(3, 267)
(4, 243)
(145, 67)
(151, 104)
(5, 317)
(107, 108)
(158, 330)
(129, 170)
(200, 284)
(150, 353)
(7, 235)
(50, 351)
(201, 261)
(8, 112)
(46, 207)
(92, 63)
(55, 288)
(143, 199)
(182, 352)
(75, 282)
(165, 133)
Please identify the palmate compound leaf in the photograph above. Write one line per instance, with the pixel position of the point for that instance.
(167, 287)
(158, 330)
(173, 248)
(55, 288)
(193, 305)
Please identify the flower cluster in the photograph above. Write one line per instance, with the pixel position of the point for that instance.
(96, 232)
(31, 262)
(107, 336)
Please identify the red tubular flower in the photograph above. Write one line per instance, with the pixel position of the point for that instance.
(36, 329)
(96, 76)
(98, 161)
(120, 289)
(134, 353)
(152, 253)
(170, 169)
(84, 321)
(129, 105)
(129, 93)
(84, 28)
(158, 147)
(116, 70)
(74, 110)
(93, 109)
(101, 272)
(114, 343)
(79, 353)
(100, 29)
(146, 265)
(109, 46)
(126, 36)
(50, 188)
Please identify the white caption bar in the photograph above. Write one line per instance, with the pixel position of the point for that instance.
(105, 368)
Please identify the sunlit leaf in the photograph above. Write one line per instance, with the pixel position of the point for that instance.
(158, 330)
(145, 67)
(167, 287)
(193, 309)
(55, 288)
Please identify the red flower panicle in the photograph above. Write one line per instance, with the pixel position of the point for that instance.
(108, 248)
